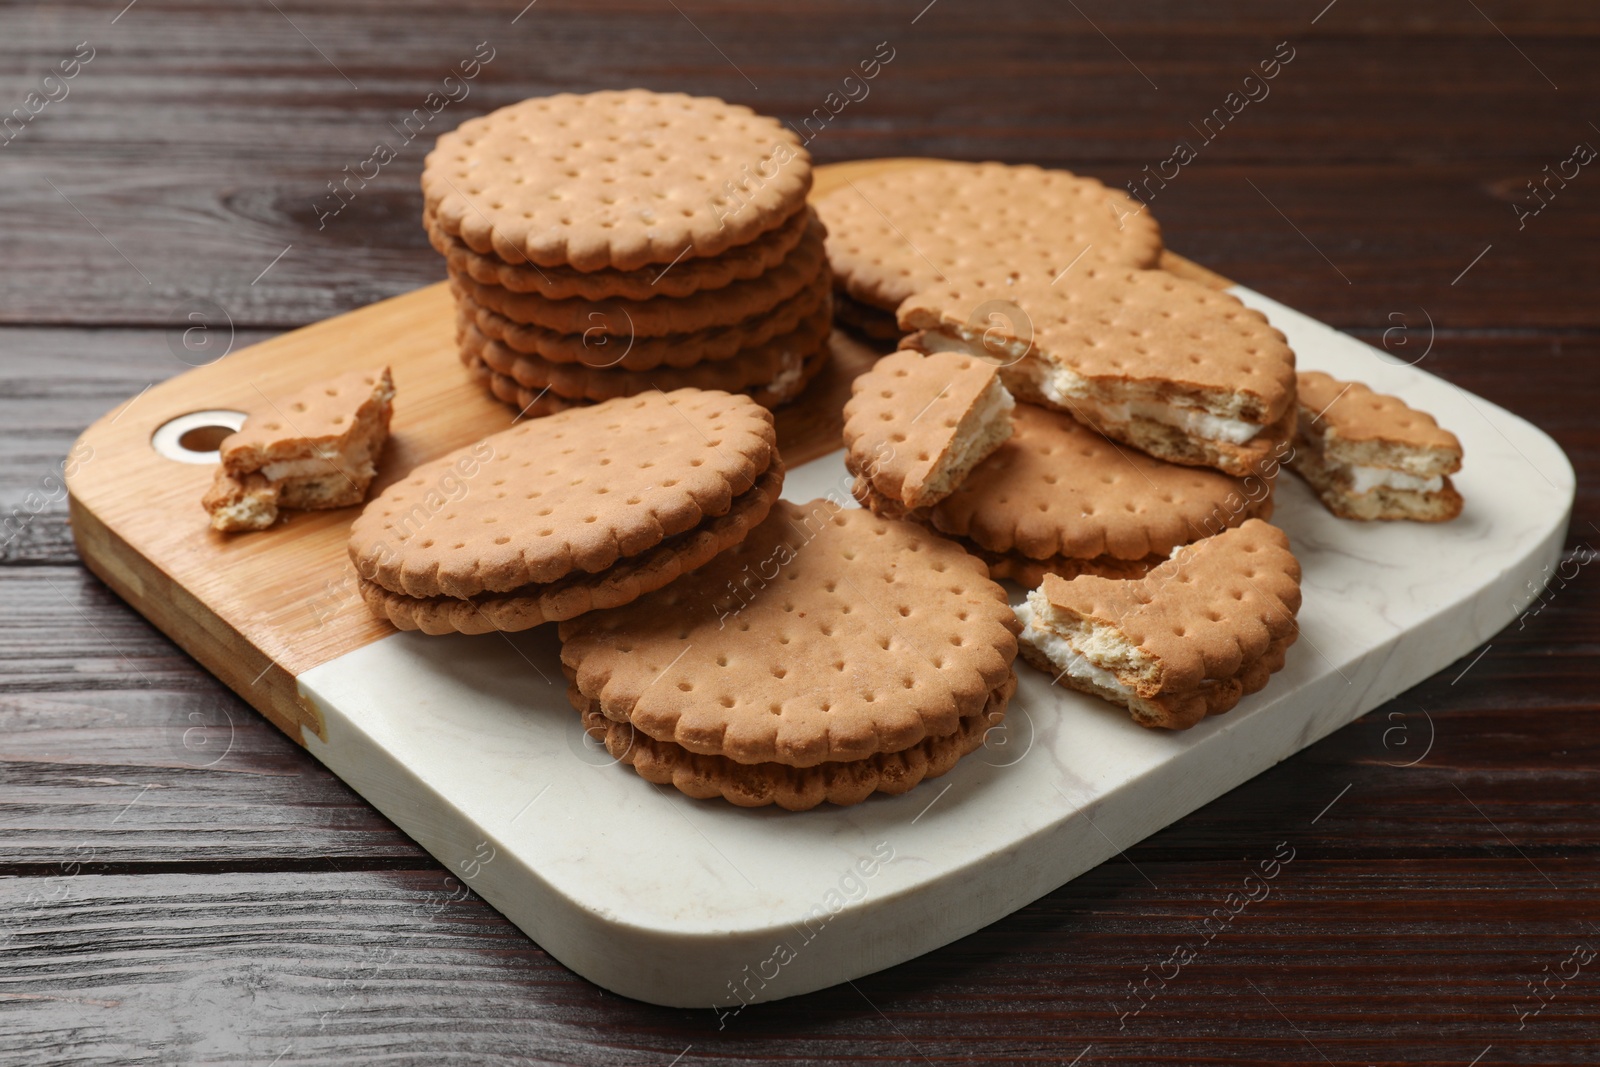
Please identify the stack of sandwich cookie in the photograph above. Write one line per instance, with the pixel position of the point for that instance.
(592, 237)
(903, 230)
(1370, 456)
(1181, 371)
(586, 509)
(831, 655)
(1189, 639)
(1057, 498)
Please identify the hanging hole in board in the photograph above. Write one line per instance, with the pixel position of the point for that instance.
(195, 437)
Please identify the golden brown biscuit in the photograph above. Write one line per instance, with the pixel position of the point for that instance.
(614, 180)
(314, 449)
(687, 276)
(949, 412)
(540, 602)
(600, 349)
(576, 492)
(1179, 370)
(705, 310)
(1187, 640)
(761, 365)
(752, 785)
(1058, 493)
(828, 635)
(1370, 456)
(901, 231)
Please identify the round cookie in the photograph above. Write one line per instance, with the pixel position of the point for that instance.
(531, 403)
(646, 353)
(533, 605)
(827, 635)
(897, 232)
(576, 492)
(675, 280)
(615, 179)
(756, 366)
(653, 318)
(1057, 496)
(795, 788)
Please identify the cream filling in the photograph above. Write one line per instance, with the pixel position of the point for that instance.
(1366, 479)
(996, 404)
(299, 468)
(1066, 659)
(1065, 387)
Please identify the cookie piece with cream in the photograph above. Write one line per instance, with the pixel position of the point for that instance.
(1371, 456)
(1189, 639)
(1178, 370)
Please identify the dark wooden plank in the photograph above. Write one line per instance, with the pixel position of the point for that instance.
(210, 919)
(1405, 99)
(1388, 962)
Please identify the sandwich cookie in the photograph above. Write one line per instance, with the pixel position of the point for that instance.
(1187, 640)
(1176, 369)
(1057, 498)
(1371, 456)
(313, 450)
(614, 180)
(833, 654)
(781, 359)
(596, 348)
(916, 425)
(703, 310)
(900, 231)
(688, 276)
(588, 508)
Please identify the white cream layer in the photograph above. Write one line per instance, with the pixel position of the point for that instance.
(1366, 479)
(1063, 657)
(1062, 386)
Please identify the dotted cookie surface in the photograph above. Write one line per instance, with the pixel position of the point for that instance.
(756, 366)
(615, 179)
(1215, 607)
(751, 785)
(675, 280)
(895, 233)
(1353, 412)
(644, 353)
(573, 492)
(1057, 488)
(1145, 327)
(827, 634)
(653, 318)
(918, 399)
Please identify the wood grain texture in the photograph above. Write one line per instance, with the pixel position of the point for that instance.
(258, 895)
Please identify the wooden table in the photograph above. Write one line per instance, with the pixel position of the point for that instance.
(182, 884)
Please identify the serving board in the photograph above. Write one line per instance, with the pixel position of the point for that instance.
(470, 746)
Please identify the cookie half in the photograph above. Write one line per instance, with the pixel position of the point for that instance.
(1371, 456)
(1187, 640)
(949, 412)
(314, 449)
(1176, 369)
(829, 636)
(1058, 498)
(900, 231)
(614, 180)
(541, 514)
